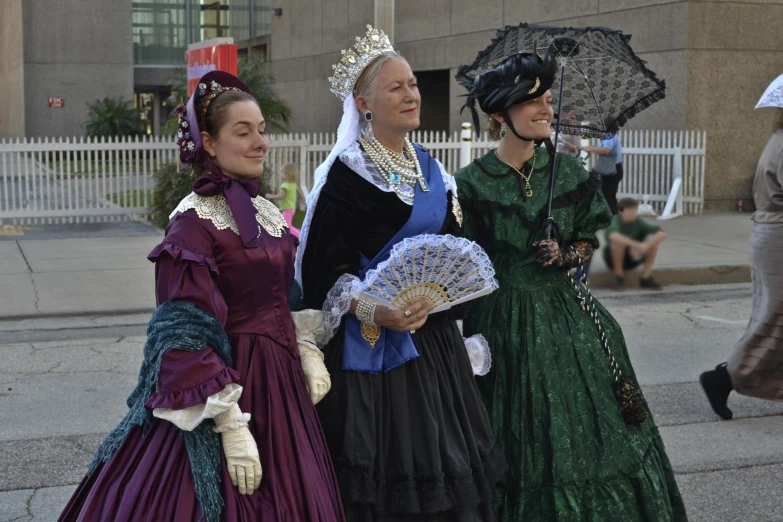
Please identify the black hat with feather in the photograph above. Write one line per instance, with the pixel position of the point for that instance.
(517, 79)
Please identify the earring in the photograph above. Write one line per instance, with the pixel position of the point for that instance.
(503, 130)
(368, 116)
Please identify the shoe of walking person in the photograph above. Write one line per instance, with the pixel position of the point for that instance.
(717, 385)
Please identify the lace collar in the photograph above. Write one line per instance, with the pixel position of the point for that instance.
(216, 210)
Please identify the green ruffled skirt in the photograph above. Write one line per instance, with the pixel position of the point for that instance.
(570, 456)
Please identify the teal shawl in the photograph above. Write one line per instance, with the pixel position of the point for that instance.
(180, 325)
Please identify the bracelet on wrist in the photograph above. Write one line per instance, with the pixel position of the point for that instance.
(365, 312)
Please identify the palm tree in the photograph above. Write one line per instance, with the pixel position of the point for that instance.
(277, 112)
(113, 117)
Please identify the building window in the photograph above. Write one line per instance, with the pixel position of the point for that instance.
(162, 29)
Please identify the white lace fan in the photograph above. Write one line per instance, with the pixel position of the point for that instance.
(445, 270)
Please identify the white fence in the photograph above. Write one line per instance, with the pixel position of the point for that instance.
(654, 161)
(78, 180)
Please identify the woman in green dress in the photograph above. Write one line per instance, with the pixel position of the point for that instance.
(571, 456)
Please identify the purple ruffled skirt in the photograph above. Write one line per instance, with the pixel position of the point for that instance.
(149, 480)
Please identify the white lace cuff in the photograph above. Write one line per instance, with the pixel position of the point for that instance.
(310, 329)
(338, 303)
(479, 354)
(188, 419)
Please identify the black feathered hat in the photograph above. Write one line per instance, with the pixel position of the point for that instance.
(517, 79)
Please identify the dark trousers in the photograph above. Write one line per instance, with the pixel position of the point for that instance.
(582, 271)
(609, 186)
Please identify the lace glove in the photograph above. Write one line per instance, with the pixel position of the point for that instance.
(318, 381)
(239, 447)
(548, 253)
(576, 254)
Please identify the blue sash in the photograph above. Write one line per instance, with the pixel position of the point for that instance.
(394, 349)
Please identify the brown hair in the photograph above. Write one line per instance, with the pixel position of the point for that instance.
(290, 173)
(218, 109)
(365, 84)
(494, 129)
(625, 203)
(779, 120)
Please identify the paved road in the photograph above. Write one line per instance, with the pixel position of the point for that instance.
(63, 383)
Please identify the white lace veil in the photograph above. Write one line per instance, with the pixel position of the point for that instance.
(347, 134)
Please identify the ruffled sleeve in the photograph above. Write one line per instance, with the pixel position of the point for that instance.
(199, 382)
(470, 218)
(592, 213)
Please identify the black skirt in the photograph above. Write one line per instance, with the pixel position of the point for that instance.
(414, 443)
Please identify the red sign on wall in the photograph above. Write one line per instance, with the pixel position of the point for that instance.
(56, 102)
(219, 54)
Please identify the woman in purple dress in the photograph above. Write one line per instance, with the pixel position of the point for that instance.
(222, 423)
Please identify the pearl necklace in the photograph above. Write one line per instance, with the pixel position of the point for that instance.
(395, 168)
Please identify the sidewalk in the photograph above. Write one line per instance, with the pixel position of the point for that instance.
(76, 276)
(111, 275)
(706, 249)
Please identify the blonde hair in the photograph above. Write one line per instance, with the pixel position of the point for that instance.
(290, 173)
(365, 84)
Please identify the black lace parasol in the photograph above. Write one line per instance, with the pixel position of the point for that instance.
(604, 83)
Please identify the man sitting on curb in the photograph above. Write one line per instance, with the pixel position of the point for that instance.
(632, 241)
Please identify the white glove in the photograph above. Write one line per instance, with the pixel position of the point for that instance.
(310, 327)
(318, 381)
(242, 460)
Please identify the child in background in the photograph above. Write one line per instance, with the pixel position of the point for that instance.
(632, 241)
(289, 192)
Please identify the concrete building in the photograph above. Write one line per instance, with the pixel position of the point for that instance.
(56, 56)
(716, 57)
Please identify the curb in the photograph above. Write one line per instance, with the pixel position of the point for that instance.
(702, 275)
(75, 315)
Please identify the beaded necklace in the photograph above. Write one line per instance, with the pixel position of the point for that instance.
(396, 168)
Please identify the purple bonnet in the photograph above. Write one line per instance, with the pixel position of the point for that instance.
(190, 116)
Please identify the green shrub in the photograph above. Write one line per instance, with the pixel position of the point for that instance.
(171, 186)
(109, 117)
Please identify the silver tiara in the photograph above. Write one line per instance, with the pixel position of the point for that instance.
(355, 60)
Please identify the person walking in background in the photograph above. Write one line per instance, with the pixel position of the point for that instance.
(755, 367)
(288, 195)
(609, 153)
(566, 143)
(632, 241)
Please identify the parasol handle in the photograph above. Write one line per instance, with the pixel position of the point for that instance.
(553, 164)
